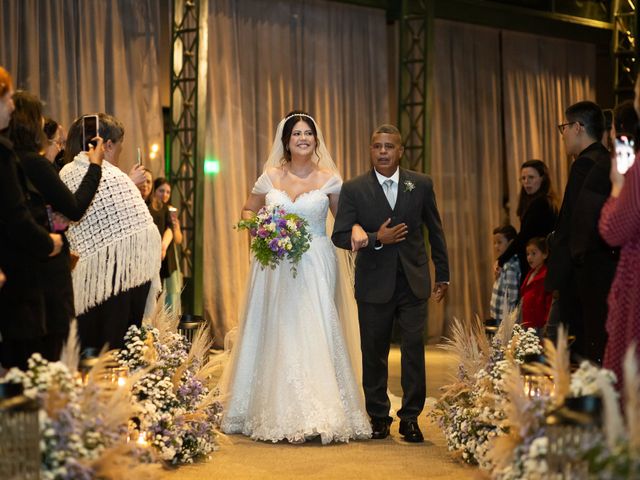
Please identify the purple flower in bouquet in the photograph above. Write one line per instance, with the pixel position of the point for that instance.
(276, 234)
(273, 245)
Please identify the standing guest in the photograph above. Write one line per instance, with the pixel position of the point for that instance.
(146, 187)
(536, 302)
(595, 261)
(23, 244)
(162, 219)
(392, 281)
(166, 219)
(581, 265)
(116, 278)
(25, 131)
(56, 139)
(620, 226)
(506, 287)
(537, 211)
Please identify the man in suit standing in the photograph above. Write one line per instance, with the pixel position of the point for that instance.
(392, 274)
(581, 265)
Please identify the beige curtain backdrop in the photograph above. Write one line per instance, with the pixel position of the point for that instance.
(466, 162)
(498, 97)
(265, 59)
(89, 56)
(542, 77)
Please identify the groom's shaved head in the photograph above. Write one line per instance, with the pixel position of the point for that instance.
(386, 128)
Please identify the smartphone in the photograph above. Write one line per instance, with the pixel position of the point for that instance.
(139, 157)
(90, 129)
(625, 153)
(55, 226)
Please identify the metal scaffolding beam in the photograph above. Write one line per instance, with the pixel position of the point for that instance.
(625, 47)
(184, 167)
(414, 118)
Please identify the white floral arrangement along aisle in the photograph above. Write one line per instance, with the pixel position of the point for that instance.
(179, 412)
(495, 417)
(105, 425)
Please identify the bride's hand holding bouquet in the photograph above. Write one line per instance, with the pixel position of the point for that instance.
(276, 234)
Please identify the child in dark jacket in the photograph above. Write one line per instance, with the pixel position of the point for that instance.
(536, 302)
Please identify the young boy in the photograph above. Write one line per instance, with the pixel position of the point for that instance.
(506, 288)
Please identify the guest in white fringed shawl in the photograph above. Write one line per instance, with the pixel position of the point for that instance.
(116, 278)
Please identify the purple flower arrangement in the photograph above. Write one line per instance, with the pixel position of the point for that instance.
(275, 235)
(178, 413)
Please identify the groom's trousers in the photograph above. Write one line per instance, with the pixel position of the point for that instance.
(376, 323)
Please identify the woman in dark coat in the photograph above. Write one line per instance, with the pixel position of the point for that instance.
(27, 135)
(24, 243)
(537, 211)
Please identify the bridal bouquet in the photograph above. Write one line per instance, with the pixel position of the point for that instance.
(276, 234)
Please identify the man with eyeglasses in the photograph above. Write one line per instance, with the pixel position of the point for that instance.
(581, 265)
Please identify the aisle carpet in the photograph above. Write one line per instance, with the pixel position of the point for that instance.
(392, 458)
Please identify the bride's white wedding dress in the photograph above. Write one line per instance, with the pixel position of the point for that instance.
(290, 375)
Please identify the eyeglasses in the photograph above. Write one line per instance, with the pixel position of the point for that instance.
(562, 126)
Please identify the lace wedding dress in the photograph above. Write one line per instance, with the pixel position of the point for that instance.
(290, 376)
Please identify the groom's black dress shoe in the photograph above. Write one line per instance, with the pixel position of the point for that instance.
(411, 432)
(380, 428)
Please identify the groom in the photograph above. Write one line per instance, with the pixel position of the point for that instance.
(392, 274)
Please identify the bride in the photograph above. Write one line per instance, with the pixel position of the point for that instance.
(292, 374)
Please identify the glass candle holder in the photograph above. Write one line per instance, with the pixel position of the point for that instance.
(19, 434)
(189, 325)
(573, 431)
(536, 384)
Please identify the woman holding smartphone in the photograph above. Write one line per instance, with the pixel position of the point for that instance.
(620, 226)
(165, 217)
(29, 140)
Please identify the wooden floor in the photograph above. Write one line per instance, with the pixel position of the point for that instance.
(392, 458)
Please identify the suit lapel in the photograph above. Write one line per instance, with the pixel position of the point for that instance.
(402, 197)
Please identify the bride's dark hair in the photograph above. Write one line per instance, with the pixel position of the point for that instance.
(287, 129)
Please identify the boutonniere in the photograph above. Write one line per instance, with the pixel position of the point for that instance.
(409, 185)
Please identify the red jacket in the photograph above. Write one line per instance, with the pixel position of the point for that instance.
(536, 302)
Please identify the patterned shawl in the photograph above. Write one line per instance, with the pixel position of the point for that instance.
(118, 243)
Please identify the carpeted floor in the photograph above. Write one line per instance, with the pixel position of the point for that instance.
(392, 458)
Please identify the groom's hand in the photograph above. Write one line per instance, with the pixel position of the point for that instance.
(388, 236)
(439, 290)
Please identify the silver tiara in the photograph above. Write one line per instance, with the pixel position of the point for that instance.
(299, 115)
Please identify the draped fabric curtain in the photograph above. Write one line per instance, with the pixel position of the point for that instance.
(542, 76)
(89, 56)
(322, 57)
(498, 96)
(466, 162)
